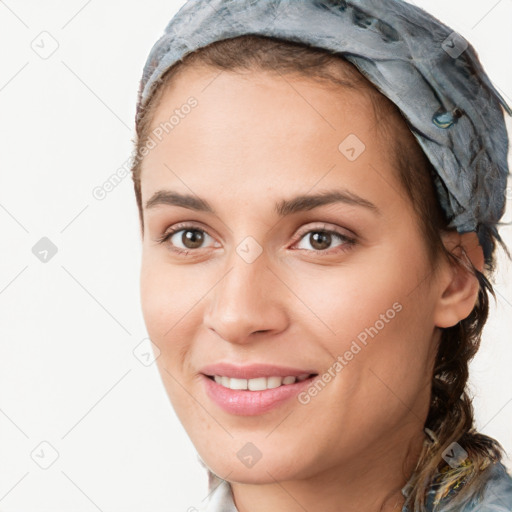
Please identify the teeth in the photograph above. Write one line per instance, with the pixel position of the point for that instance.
(258, 384)
(238, 383)
(274, 382)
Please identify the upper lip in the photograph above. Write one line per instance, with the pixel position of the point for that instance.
(253, 371)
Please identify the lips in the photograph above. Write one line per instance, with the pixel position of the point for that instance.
(254, 371)
(252, 403)
(249, 396)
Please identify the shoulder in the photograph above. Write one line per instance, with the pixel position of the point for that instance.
(492, 492)
(497, 491)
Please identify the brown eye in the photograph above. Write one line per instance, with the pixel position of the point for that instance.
(320, 240)
(192, 238)
(183, 239)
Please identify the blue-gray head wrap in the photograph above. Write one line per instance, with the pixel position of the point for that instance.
(430, 72)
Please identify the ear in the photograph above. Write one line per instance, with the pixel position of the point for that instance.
(458, 285)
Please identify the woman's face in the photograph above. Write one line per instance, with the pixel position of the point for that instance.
(341, 287)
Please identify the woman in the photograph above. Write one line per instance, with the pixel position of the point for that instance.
(319, 185)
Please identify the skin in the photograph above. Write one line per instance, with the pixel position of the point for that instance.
(253, 141)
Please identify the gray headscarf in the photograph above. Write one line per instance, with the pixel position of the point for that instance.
(430, 72)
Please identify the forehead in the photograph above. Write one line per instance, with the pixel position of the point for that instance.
(251, 131)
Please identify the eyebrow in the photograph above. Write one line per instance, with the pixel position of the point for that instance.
(282, 208)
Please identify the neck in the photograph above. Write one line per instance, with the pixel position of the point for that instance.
(372, 483)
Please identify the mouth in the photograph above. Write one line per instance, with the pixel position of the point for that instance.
(256, 396)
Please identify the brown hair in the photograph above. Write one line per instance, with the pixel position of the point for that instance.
(450, 417)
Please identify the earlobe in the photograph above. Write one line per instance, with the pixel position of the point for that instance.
(459, 290)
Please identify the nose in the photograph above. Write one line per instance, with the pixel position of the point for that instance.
(248, 300)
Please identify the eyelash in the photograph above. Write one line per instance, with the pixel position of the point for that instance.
(348, 242)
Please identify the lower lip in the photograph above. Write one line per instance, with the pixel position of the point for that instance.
(251, 403)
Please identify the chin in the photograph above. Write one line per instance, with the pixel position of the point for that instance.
(236, 466)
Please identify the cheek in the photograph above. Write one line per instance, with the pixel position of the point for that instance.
(167, 290)
(380, 323)
(172, 299)
(347, 303)
(164, 299)
(156, 300)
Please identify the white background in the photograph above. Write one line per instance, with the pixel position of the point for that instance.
(68, 327)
